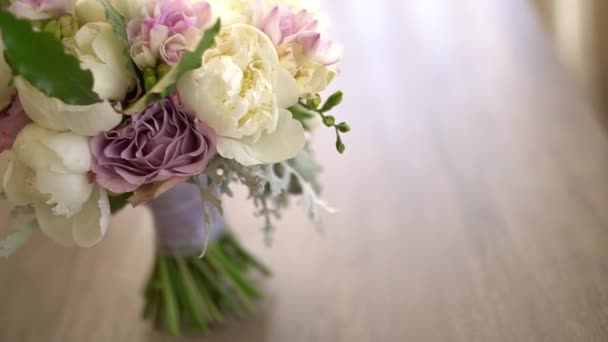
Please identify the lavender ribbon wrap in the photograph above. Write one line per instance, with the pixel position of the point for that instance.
(180, 223)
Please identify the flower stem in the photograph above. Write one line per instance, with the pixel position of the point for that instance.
(186, 292)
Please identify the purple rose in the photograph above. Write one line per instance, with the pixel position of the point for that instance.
(152, 151)
(12, 121)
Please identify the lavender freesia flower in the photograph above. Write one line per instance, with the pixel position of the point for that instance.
(41, 9)
(301, 29)
(168, 28)
(12, 121)
(153, 151)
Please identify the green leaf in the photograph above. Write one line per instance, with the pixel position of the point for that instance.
(189, 61)
(194, 59)
(118, 23)
(118, 202)
(42, 61)
(4, 4)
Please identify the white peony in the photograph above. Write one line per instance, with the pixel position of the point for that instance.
(129, 9)
(100, 50)
(251, 12)
(233, 11)
(90, 11)
(242, 92)
(49, 170)
(309, 5)
(6, 75)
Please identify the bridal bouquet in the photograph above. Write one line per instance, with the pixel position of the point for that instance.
(106, 103)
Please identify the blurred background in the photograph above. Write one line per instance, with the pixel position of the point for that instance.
(579, 31)
(472, 196)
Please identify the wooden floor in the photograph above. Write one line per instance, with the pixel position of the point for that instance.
(473, 203)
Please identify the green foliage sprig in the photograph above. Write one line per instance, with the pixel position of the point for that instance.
(41, 59)
(308, 109)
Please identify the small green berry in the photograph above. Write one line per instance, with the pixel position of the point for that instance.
(314, 102)
(343, 127)
(329, 121)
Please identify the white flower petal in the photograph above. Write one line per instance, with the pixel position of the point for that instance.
(56, 227)
(100, 50)
(53, 165)
(129, 8)
(234, 149)
(142, 55)
(53, 114)
(286, 88)
(17, 186)
(90, 11)
(68, 192)
(91, 223)
(43, 149)
(30, 149)
(72, 149)
(85, 229)
(285, 143)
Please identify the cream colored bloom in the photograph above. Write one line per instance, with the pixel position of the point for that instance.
(100, 50)
(311, 77)
(242, 92)
(49, 170)
(90, 11)
(233, 11)
(51, 113)
(129, 9)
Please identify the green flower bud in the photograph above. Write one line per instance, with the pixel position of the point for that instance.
(149, 78)
(68, 25)
(334, 100)
(343, 127)
(329, 121)
(340, 146)
(314, 102)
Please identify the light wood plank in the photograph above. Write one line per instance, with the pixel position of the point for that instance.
(472, 203)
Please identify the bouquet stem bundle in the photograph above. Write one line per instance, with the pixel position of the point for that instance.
(189, 292)
(110, 115)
